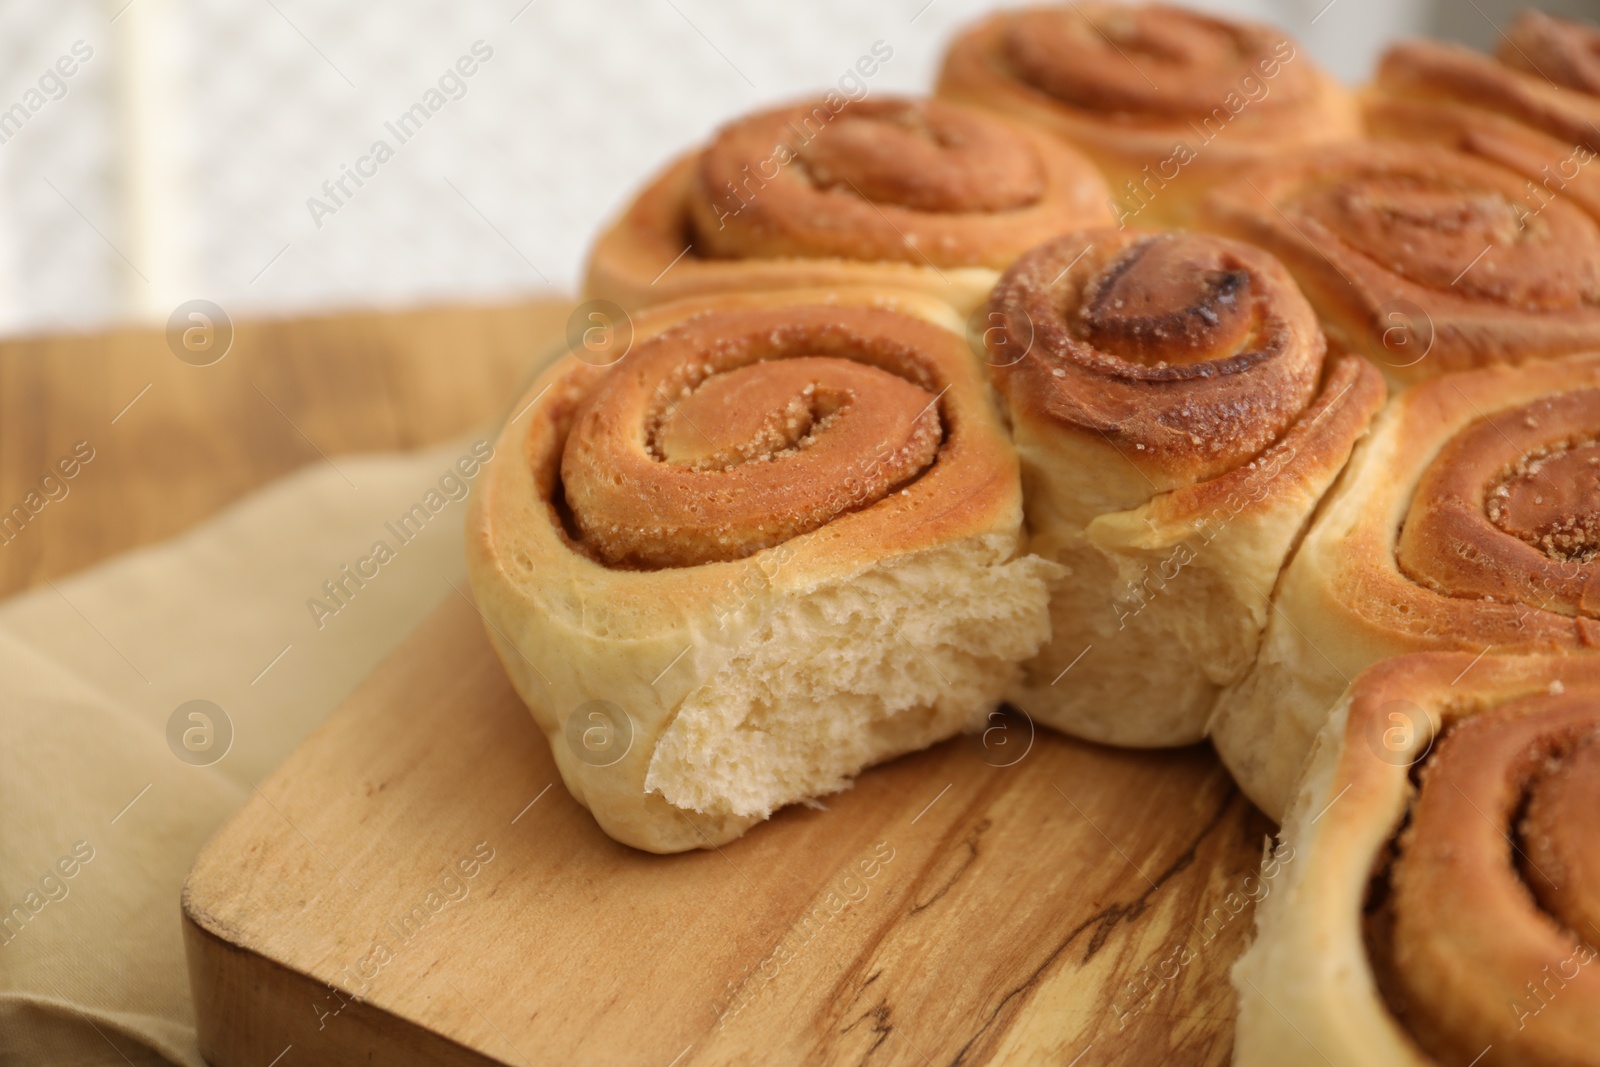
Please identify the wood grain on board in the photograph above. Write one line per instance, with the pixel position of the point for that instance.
(1081, 901)
(174, 443)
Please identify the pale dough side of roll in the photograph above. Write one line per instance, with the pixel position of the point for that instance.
(1307, 985)
(1306, 989)
(1312, 646)
(1343, 602)
(1177, 422)
(1168, 594)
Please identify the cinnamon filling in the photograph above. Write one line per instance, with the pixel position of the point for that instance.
(1509, 510)
(1169, 302)
(1552, 502)
(1145, 61)
(888, 180)
(732, 434)
(1186, 351)
(1458, 238)
(1482, 915)
(928, 159)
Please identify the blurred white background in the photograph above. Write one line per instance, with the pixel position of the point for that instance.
(178, 159)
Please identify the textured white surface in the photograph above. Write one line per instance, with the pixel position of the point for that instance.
(180, 162)
(58, 191)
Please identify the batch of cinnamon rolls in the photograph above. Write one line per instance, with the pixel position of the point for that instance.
(1149, 381)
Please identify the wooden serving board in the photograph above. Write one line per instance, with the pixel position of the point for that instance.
(415, 886)
(176, 443)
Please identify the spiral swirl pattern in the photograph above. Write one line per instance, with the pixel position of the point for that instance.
(1505, 87)
(721, 537)
(1468, 520)
(1481, 276)
(1509, 510)
(1147, 62)
(1176, 423)
(723, 438)
(1427, 227)
(892, 179)
(1443, 905)
(1533, 108)
(741, 429)
(1490, 947)
(1191, 353)
(1166, 101)
(900, 192)
(1564, 51)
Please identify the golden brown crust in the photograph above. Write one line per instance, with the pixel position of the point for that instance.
(568, 627)
(916, 181)
(1167, 101)
(1467, 931)
(1315, 447)
(1565, 51)
(1509, 510)
(1177, 425)
(1190, 354)
(1424, 432)
(960, 486)
(738, 431)
(1189, 571)
(1083, 56)
(1439, 941)
(1434, 70)
(1423, 259)
(1552, 168)
(892, 191)
(1534, 111)
(1319, 984)
(1407, 919)
(1449, 529)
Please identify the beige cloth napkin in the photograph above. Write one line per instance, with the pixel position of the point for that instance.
(99, 818)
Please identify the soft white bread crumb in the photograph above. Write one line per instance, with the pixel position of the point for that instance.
(848, 674)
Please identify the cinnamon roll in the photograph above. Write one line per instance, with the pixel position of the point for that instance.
(1422, 258)
(1468, 520)
(777, 540)
(1534, 107)
(1177, 423)
(1437, 899)
(1167, 101)
(895, 191)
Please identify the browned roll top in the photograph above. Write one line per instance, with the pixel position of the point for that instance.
(1541, 78)
(1428, 222)
(1564, 51)
(1509, 509)
(1425, 259)
(894, 179)
(1151, 62)
(737, 431)
(1190, 353)
(1483, 938)
(1533, 107)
